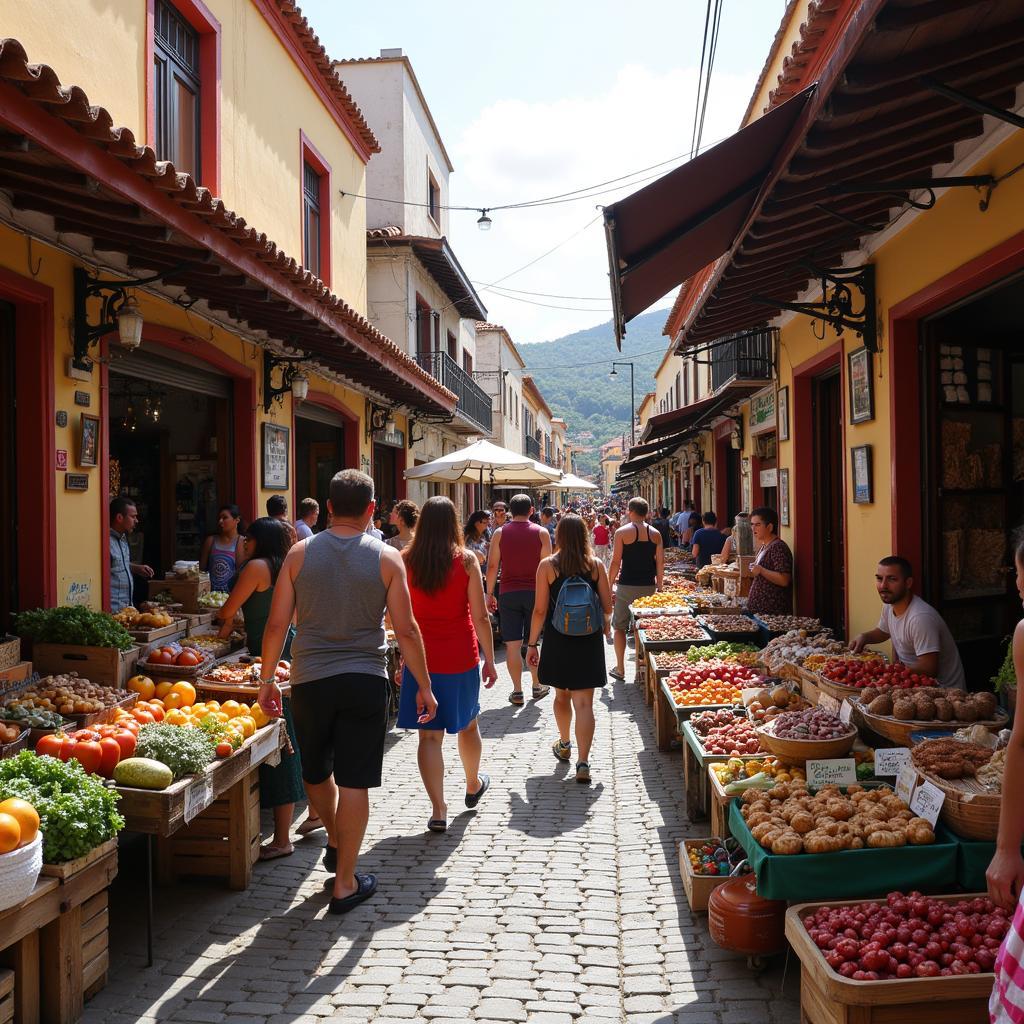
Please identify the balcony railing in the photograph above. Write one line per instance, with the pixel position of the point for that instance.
(531, 447)
(746, 356)
(474, 402)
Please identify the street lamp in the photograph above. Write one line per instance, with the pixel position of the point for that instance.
(632, 400)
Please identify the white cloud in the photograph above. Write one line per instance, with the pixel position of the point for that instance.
(516, 150)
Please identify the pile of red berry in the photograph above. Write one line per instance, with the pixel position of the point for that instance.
(735, 738)
(872, 672)
(692, 676)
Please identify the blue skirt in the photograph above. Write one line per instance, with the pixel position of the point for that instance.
(457, 695)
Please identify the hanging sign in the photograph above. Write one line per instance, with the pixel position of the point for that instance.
(927, 801)
(393, 438)
(835, 771)
(762, 411)
(889, 761)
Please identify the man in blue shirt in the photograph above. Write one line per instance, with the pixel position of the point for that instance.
(708, 540)
(123, 517)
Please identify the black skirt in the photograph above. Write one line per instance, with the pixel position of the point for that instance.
(571, 662)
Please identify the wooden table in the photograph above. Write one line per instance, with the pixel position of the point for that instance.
(695, 773)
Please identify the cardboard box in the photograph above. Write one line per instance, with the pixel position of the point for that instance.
(186, 592)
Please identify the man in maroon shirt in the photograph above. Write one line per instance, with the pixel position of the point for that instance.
(517, 548)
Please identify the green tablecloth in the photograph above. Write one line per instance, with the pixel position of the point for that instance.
(849, 874)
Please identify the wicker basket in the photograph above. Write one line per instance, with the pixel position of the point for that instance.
(176, 671)
(12, 748)
(799, 751)
(10, 652)
(19, 871)
(968, 810)
(836, 690)
(900, 731)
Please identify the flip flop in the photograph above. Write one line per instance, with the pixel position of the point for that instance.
(437, 825)
(616, 674)
(269, 852)
(540, 692)
(472, 799)
(367, 887)
(516, 697)
(309, 825)
(331, 860)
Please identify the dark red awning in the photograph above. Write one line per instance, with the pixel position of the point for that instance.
(695, 417)
(661, 235)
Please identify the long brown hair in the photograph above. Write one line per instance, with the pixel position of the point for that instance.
(435, 544)
(575, 556)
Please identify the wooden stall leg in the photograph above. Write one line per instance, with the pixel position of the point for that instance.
(60, 954)
(23, 959)
(242, 832)
(664, 721)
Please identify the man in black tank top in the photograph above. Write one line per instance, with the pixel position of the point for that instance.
(639, 552)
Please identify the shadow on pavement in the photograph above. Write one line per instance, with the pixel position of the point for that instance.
(510, 720)
(554, 805)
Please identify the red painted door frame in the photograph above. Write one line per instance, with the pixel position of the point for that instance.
(35, 441)
(905, 397)
(802, 496)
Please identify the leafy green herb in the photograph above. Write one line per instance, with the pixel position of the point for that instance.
(185, 751)
(72, 624)
(77, 812)
(721, 649)
(1007, 674)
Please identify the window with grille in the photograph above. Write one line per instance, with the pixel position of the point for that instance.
(176, 89)
(311, 219)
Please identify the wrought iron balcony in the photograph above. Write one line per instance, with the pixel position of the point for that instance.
(746, 356)
(474, 403)
(531, 447)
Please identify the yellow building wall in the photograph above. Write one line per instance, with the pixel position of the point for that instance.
(931, 246)
(265, 102)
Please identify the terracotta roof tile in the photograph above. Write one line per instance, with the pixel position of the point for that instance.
(389, 232)
(482, 325)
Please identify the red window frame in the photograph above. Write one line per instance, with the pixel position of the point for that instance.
(198, 15)
(309, 154)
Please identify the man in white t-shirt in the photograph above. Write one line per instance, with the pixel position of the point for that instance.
(921, 640)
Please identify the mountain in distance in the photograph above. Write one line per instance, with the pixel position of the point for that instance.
(572, 374)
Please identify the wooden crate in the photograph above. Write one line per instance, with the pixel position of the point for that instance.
(146, 637)
(105, 665)
(828, 998)
(185, 592)
(95, 944)
(6, 996)
(695, 774)
(70, 868)
(698, 887)
(198, 622)
(719, 806)
(666, 721)
(222, 842)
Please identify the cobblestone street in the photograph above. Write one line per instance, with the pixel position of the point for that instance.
(552, 903)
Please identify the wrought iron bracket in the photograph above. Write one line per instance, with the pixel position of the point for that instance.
(429, 419)
(113, 295)
(289, 369)
(839, 308)
(376, 417)
(971, 101)
(983, 183)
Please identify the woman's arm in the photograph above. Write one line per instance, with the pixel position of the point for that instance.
(239, 554)
(540, 609)
(1005, 874)
(604, 591)
(481, 620)
(204, 555)
(247, 584)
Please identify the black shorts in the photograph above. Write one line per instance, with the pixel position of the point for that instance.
(341, 723)
(514, 612)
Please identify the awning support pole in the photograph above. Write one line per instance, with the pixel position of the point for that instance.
(985, 182)
(971, 101)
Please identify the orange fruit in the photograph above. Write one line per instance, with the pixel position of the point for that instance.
(25, 814)
(222, 716)
(163, 688)
(174, 700)
(10, 833)
(232, 708)
(142, 685)
(156, 708)
(187, 691)
(213, 705)
(247, 724)
(176, 717)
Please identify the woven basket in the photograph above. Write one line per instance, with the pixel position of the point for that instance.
(968, 812)
(176, 671)
(19, 871)
(900, 731)
(799, 751)
(10, 652)
(12, 748)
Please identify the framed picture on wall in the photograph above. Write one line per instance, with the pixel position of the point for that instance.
(276, 452)
(89, 445)
(862, 386)
(782, 414)
(784, 497)
(863, 484)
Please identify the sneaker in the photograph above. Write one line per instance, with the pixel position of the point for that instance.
(583, 772)
(563, 751)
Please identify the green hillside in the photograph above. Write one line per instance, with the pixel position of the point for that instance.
(577, 385)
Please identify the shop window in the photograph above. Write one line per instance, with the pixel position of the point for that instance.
(176, 86)
(453, 347)
(316, 214)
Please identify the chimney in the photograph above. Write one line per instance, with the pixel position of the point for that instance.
(393, 52)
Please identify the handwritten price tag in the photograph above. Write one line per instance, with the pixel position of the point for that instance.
(267, 744)
(845, 712)
(927, 801)
(829, 703)
(198, 797)
(906, 780)
(837, 771)
(888, 762)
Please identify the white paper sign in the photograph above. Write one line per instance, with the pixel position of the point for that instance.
(927, 801)
(198, 797)
(266, 745)
(906, 780)
(829, 703)
(836, 771)
(845, 712)
(889, 761)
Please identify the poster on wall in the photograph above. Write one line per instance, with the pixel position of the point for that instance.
(863, 485)
(747, 497)
(784, 497)
(782, 413)
(762, 411)
(276, 449)
(862, 395)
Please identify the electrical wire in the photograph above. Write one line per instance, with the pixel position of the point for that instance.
(544, 295)
(700, 78)
(719, 6)
(548, 305)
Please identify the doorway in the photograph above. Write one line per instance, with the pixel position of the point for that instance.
(385, 475)
(8, 468)
(319, 454)
(829, 501)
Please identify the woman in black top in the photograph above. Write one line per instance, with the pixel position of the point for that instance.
(573, 666)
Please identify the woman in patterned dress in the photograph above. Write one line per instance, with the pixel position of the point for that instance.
(771, 591)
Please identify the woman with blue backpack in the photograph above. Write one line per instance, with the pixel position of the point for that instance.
(573, 607)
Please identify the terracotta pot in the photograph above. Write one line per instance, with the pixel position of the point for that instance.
(744, 922)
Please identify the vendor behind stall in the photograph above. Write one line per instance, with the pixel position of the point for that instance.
(222, 555)
(921, 640)
(123, 517)
(771, 589)
(267, 542)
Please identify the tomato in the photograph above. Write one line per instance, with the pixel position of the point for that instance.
(143, 716)
(156, 709)
(85, 734)
(50, 745)
(67, 746)
(224, 749)
(160, 657)
(188, 657)
(110, 751)
(126, 741)
(88, 753)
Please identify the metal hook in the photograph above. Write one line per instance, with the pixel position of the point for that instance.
(39, 265)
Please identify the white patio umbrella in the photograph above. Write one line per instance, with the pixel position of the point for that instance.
(484, 463)
(572, 482)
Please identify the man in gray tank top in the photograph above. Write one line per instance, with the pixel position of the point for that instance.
(337, 584)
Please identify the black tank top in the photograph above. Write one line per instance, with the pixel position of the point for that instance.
(639, 567)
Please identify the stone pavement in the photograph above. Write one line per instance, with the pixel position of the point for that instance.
(552, 903)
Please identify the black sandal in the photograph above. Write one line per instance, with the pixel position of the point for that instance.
(472, 799)
(331, 860)
(437, 825)
(367, 887)
(516, 697)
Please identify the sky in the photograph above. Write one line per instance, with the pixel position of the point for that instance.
(535, 99)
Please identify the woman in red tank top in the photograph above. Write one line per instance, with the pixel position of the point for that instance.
(448, 604)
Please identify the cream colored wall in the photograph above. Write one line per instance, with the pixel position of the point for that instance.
(771, 80)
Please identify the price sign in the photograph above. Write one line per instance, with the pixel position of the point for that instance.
(198, 797)
(888, 762)
(829, 703)
(267, 744)
(927, 801)
(845, 712)
(836, 771)
(906, 780)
